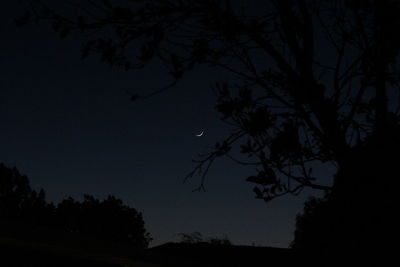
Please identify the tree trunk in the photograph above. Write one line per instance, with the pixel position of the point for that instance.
(362, 203)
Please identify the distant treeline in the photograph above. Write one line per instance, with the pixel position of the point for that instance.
(25, 213)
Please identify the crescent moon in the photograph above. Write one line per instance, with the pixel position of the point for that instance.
(200, 134)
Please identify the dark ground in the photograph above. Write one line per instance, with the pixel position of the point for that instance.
(32, 254)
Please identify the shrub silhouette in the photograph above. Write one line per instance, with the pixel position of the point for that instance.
(197, 238)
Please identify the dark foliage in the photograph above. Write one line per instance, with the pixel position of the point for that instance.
(26, 214)
(310, 225)
(108, 220)
(20, 205)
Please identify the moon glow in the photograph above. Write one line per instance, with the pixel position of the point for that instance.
(200, 134)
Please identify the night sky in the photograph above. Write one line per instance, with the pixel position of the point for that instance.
(69, 125)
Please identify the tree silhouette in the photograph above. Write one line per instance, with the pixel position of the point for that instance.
(312, 81)
(107, 220)
(68, 215)
(20, 205)
(25, 213)
(310, 232)
(14, 191)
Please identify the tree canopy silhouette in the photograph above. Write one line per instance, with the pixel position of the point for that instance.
(19, 204)
(25, 212)
(108, 220)
(312, 81)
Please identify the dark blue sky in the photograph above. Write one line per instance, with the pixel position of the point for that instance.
(69, 125)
